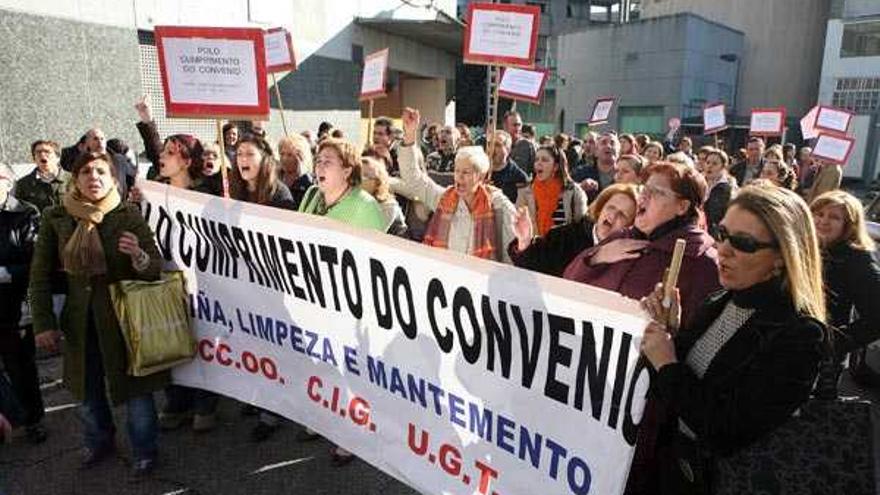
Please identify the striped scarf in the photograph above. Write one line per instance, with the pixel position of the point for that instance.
(437, 232)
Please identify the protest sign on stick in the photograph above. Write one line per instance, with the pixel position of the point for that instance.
(279, 58)
(523, 84)
(767, 121)
(601, 110)
(501, 34)
(833, 148)
(832, 120)
(216, 73)
(373, 83)
(808, 124)
(714, 118)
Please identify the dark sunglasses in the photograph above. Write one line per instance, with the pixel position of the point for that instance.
(744, 243)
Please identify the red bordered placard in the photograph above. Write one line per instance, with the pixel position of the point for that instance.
(832, 130)
(596, 116)
(808, 124)
(768, 132)
(473, 56)
(850, 144)
(380, 57)
(717, 128)
(536, 99)
(256, 109)
(281, 67)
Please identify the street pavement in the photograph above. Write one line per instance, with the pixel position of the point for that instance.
(224, 461)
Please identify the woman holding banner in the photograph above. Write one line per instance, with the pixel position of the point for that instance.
(852, 273)
(552, 199)
(338, 195)
(613, 210)
(749, 358)
(98, 240)
(470, 216)
(255, 178)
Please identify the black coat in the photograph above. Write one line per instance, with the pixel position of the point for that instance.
(852, 281)
(716, 205)
(756, 381)
(738, 171)
(551, 253)
(19, 223)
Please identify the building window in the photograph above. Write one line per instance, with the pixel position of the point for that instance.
(857, 94)
(861, 40)
(541, 53)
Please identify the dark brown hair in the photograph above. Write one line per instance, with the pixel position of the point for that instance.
(686, 182)
(55, 146)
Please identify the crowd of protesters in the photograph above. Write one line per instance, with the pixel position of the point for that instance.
(772, 246)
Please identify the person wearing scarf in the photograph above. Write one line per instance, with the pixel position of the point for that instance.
(552, 198)
(98, 240)
(470, 217)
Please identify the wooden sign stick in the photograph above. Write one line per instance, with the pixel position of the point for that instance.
(224, 173)
(670, 280)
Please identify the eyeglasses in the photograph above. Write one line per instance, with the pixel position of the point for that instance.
(744, 243)
(650, 191)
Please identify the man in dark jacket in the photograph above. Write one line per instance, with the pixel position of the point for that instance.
(522, 150)
(506, 173)
(19, 223)
(70, 153)
(46, 184)
(749, 169)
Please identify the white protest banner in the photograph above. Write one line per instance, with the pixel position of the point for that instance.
(213, 72)
(714, 118)
(833, 148)
(833, 120)
(501, 34)
(373, 79)
(452, 374)
(279, 50)
(523, 84)
(767, 121)
(808, 124)
(601, 111)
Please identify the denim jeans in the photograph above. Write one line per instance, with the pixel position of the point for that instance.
(142, 422)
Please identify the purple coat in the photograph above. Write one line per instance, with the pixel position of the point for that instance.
(636, 278)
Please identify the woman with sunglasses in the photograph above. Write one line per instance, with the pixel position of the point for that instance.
(633, 261)
(852, 273)
(552, 199)
(748, 359)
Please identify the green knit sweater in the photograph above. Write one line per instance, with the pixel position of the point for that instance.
(356, 208)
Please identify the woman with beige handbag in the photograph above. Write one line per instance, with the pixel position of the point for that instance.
(98, 240)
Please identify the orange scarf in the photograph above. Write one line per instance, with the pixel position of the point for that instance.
(437, 232)
(546, 199)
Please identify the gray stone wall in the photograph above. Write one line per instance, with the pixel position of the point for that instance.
(61, 77)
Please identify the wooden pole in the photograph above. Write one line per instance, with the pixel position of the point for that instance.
(493, 119)
(280, 105)
(369, 124)
(224, 173)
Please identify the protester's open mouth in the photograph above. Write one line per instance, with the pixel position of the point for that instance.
(44, 161)
(245, 169)
(320, 178)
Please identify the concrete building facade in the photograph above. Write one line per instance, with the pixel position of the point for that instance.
(782, 54)
(73, 64)
(657, 68)
(851, 79)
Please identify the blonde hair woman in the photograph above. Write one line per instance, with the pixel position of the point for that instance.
(750, 358)
(376, 182)
(295, 155)
(852, 273)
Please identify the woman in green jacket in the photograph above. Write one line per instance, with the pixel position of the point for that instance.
(338, 195)
(97, 239)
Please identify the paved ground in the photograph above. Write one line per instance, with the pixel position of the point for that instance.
(221, 462)
(224, 461)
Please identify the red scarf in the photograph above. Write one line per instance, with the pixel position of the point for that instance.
(437, 233)
(546, 200)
